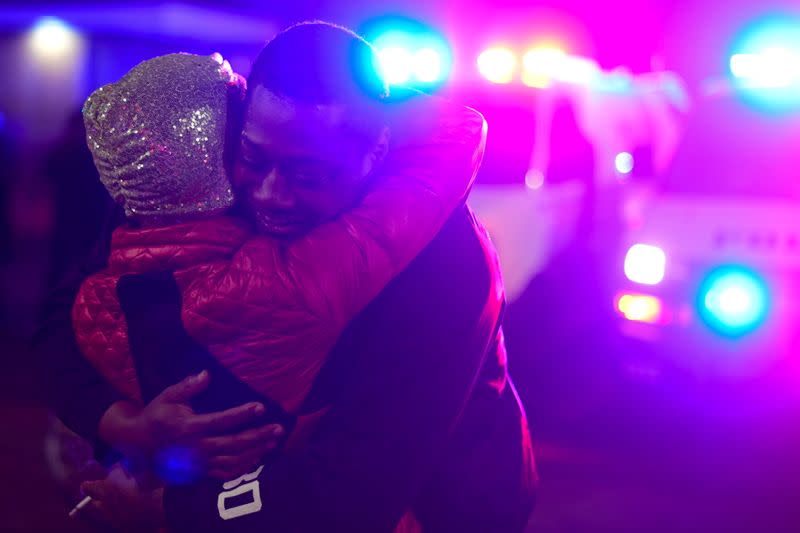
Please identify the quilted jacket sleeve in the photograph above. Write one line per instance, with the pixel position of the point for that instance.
(427, 175)
(101, 333)
(335, 270)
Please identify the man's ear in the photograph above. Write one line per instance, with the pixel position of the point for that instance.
(378, 153)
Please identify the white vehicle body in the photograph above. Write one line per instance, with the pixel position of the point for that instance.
(533, 221)
(731, 201)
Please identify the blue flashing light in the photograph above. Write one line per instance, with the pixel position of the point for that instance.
(410, 52)
(396, 64)
(734, 301)
(177, 465)
(765, 63)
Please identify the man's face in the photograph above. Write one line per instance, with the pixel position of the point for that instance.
(297, 166)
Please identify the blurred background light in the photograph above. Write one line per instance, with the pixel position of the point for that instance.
(427, 65)
(541, 65)
(765, 63)
(52, 38)
(623, 162)
(178, 465)
(396, 64)
(497, 64)
(734, 301)
(779, 33)
(774, 67)
(410, 52)
(640, 308)
(645, 264)
(578, 70)
(534, 179)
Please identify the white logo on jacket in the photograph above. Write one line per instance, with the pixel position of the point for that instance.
(237, 487)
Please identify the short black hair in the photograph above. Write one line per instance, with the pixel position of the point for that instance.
(320, 63)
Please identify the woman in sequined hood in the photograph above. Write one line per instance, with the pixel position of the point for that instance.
(268, 310)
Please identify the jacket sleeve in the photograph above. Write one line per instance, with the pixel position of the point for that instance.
(335, 270)
(404, 388)
(427, 175)
(101, 333)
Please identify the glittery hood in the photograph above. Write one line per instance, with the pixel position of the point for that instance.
(157, 137)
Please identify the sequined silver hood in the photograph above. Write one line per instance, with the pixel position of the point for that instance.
(157, 137)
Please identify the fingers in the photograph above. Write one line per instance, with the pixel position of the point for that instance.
(262, 439)
(186, 389)
(229, 420)
(230, 456)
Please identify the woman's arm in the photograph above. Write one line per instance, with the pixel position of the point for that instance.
(397, 388)
(274, 311)
(330, 274)
(91, 407)
(437, 152)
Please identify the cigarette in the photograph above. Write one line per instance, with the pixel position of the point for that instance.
(81, 504)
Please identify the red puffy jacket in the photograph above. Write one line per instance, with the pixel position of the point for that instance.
(270, 311)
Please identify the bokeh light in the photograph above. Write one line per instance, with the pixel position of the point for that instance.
(177, 465)
(623, 162)
(765, 63)
(540, 66)
(734, 301)
(497, 64)
(780, 32)
(645, 264)
(52, 38)
(773, 67)
(396, 64)
(409, 51)
(534, 179)
(427, 65)
(640, 308)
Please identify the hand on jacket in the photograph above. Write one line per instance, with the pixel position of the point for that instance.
(169, 422)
